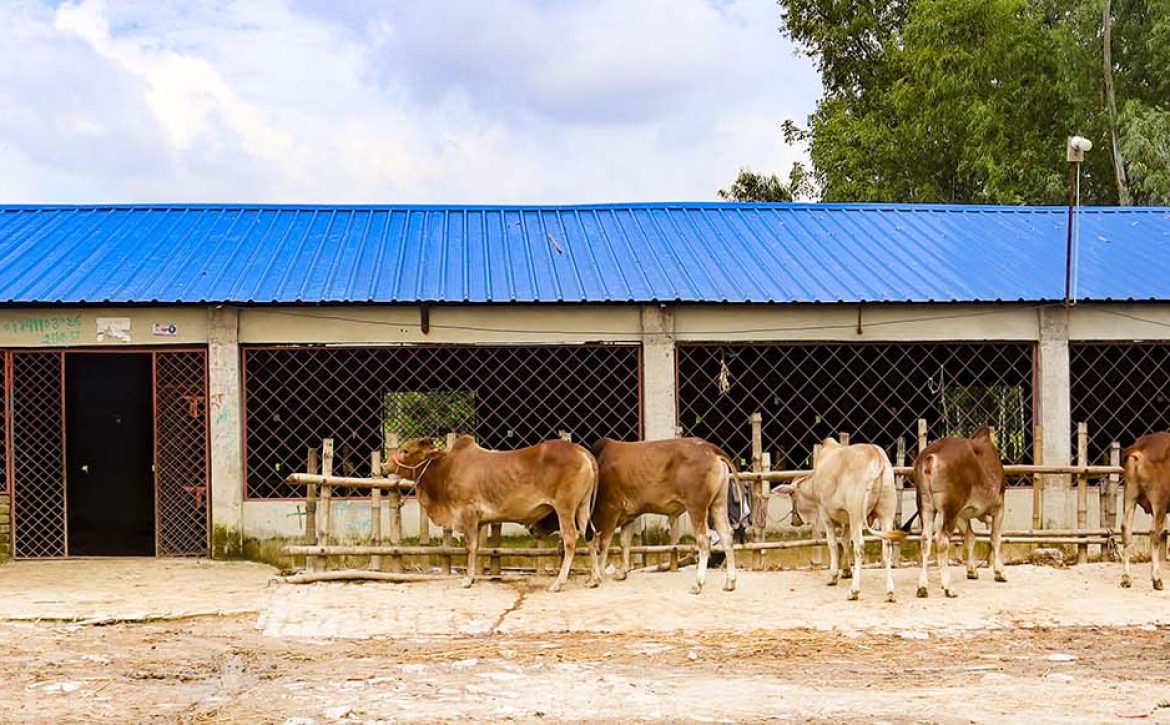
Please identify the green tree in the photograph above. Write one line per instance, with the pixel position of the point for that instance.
(970, 101)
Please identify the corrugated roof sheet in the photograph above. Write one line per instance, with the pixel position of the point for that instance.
(709, 252)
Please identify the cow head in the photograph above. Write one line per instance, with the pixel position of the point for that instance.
(804, 504)
(413, 456)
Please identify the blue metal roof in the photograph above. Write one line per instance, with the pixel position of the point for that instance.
(700, 252)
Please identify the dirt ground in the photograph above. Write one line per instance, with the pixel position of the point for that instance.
(153, 641)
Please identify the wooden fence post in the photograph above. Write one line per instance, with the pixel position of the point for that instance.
(1038, 479)
(375, 510)
(448, 540)
(395, 498)
(495, 540)
(817, 558)
(843, 438)
(311, 533)
(757, 423)
(1111, 487)
(1082, 489)
(899, 485)
(921, 435)
(326, 537)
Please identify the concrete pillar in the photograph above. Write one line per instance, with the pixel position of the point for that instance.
(659, 412)
(1055, 415)
(227, 464)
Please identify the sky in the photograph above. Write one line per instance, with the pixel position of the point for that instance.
(386, 102)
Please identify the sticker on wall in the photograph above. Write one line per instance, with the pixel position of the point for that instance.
(165, 329)
(113, 328)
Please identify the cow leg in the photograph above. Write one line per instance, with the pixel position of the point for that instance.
(603, 539)
(569, 541)
(888, 560)
(945, 524)
(703, 540)
(723, 528)
(470, 531)
(1131, 496)
(627, 541)
(927, 518)
(856, 531)
(846, 561)
(997, 544)
(968, 547)
(831, 536)
(583, 514)
(1157, 544)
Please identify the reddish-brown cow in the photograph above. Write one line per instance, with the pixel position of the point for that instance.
(1147, 484)
(663, 477)
(959, 480)
(468, 486)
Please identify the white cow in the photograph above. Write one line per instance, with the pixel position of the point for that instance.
(851, 485)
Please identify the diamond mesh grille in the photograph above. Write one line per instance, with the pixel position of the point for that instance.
(181, 452)
(38, 455)
(874, 392)
(1121, 391)
(507, 396)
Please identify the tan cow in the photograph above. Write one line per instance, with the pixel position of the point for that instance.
(468, 486)
(1147, 484)
(851, 485)
(959, 480)
(805, 510)
(663, 477)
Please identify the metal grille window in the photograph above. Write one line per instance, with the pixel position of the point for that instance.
(507, 396)
(1121, 390)
(874, 392)
(38, 454)
(181, 496)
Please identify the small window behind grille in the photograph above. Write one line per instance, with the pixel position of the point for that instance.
(416, 414)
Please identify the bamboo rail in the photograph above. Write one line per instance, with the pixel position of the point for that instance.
(389, 491)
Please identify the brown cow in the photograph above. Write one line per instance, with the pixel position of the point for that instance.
(959, 480)
(663, 477)
(1147, 483)
(852, 485)
(468, 486)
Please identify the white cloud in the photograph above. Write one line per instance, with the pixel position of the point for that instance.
(508, 101)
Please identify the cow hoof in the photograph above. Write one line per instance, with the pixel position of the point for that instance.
(619, 575)
(1158, 584)
(999, 577)
(1126, 582)
(833, 582)
(696, 589)
(890, 597)
(466, 582)
(846, 574)
(729, 585)
(922, 593)
(972, 574)
(592, 583)
(951, 593)
(853, 596)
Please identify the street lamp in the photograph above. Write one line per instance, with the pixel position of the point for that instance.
(1075, 150)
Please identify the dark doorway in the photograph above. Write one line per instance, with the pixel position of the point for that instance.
(109, 428)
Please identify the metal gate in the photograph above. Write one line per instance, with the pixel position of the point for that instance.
(180, 453)
(36, 408)
(34, 386)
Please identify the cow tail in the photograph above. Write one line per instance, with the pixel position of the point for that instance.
(883, 471)
(590, 529)
(925, 470)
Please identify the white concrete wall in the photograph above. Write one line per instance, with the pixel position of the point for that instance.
(656, 327)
